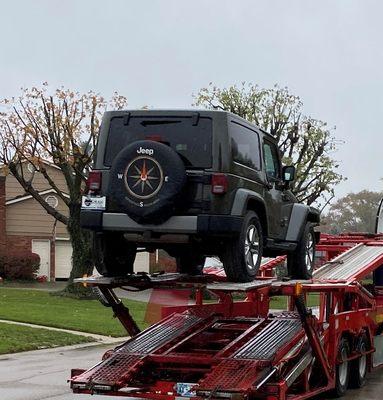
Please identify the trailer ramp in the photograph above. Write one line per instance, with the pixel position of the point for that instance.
(210, 353)
(352, 265)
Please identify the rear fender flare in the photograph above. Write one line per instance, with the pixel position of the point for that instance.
(241, 204)
(241, 199)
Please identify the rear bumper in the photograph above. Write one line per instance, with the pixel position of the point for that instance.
(183, 224)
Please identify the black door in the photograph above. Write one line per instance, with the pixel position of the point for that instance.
(278, 204)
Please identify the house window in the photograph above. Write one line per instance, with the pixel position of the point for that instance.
(52, 201)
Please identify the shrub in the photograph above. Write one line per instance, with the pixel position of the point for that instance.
(23, 266)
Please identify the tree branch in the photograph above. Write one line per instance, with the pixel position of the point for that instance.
(51, 183)
(36, 195)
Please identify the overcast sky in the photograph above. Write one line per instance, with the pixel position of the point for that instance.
(158, 53)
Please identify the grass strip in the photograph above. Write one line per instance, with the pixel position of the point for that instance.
(16, 338)
(39, 307)
(280, 302)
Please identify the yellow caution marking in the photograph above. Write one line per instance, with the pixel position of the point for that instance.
(298, 289)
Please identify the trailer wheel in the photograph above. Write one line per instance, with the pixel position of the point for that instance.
(342, 375)
(360, 365)
(242, 255)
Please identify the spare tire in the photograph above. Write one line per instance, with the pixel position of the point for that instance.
(146, 180)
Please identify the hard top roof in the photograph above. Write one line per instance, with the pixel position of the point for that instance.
(180, 112)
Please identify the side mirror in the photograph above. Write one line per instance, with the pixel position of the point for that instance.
(288, 173)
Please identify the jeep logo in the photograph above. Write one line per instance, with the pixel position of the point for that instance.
(149, 152)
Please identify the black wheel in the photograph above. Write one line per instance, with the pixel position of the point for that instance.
(189, 263)
(359, 366)
(242, 256)
(300, 263)
(112, 254)
(342, 375)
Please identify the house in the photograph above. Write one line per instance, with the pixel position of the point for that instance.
(26, 226)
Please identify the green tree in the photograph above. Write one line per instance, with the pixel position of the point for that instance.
(303, 141)
(60, 126)
(355, 212)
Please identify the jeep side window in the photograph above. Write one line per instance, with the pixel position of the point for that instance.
(270, 153)
(245, 146)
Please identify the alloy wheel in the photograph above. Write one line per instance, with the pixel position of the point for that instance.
(252, 247)
(309, 251)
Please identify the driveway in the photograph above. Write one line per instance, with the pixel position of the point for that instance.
(42, 375)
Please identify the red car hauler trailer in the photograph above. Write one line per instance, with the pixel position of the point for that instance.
(238, 348)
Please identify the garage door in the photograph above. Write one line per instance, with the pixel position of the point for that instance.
(142, 262)
(63, 259)
(43, 249)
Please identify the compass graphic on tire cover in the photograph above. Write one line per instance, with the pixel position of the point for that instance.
(143, 177)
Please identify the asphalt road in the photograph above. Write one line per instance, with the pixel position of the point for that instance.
(42, 375)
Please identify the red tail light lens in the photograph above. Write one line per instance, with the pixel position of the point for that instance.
(93, 183)
(219, 184)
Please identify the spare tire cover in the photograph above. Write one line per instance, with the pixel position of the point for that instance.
(146, 180)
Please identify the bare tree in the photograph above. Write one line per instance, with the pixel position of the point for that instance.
(60, 126)
(303, 141)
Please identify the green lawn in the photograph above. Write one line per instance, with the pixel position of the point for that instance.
(39, 307)
(280, 302)
(15, 338)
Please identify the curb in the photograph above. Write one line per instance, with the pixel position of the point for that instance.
(57, 349)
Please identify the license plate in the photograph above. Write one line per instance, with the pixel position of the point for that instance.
(93, 203)
(186, 389)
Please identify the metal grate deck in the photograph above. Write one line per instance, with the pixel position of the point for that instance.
(266, 343)
(113, 371)
(164, 332)
(118, 369)
(239, 287)
(230, 375)
(346, 265)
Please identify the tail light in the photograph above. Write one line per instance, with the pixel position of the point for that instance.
(93, 184)
(219, 184)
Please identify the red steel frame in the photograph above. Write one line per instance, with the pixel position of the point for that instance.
(332, 245)
(346, 309)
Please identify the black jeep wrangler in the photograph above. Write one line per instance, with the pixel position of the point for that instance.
(196, 184)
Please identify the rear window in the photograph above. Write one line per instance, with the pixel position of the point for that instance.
(190, 138)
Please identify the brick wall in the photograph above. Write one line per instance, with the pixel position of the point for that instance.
(18, 244)
(162, 262)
